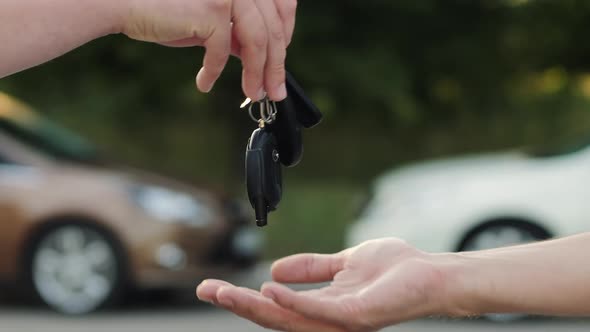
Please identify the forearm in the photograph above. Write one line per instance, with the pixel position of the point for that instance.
(551, 277)
(35, 31)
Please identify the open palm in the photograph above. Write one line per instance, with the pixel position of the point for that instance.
(375, 284)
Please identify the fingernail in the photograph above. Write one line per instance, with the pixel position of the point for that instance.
(261, 94)
(201, 286)
(206, 88)
(281, 92)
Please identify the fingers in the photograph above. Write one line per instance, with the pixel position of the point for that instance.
(259, 34)
(307, 268)
(287, 10)
(274, 74)
(218, 48)
(252, 305)
(250, 30)
(207, 290)
(327, 309)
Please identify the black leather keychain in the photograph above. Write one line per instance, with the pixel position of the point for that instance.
(278, 140)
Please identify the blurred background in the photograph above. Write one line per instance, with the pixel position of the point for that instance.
(457, 125)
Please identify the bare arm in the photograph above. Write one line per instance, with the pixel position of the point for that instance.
(258, 31)
(384, 282)
(35, 31)
(551, 277)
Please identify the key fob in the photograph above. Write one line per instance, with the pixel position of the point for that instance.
(288, 131)
(307, 112)
(293, 114)
(263, 174)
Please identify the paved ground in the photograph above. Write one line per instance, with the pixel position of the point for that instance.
(146, 314)
(201, 319)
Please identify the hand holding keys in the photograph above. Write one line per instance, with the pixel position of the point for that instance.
(278, 140)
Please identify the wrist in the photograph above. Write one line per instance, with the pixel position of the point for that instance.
(458, 291)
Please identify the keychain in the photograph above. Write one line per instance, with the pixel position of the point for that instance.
(263, 170)
(277, 141)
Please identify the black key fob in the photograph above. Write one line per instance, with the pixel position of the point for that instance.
(293, 114)
(306, 111)
(289, 133)
(263, 174)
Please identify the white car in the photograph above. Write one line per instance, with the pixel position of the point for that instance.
(480, 202)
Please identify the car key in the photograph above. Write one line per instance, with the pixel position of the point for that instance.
(263, 174)
(278, 140)
(263, 167)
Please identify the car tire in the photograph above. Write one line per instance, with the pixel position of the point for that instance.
(501, 234)
(76, 268)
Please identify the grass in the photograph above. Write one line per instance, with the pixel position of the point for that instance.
(312, 217)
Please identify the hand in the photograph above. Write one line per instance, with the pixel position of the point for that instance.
(376, 284)
(258, 31)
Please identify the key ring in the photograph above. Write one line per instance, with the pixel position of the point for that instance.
(270, 111)
(267, 110)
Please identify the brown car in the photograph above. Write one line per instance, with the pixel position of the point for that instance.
(81, 232)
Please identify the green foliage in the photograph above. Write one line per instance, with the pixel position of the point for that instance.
(312, 218)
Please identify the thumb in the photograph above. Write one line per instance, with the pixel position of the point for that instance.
(307, 268)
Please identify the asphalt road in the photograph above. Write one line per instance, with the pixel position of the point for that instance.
(201, 318)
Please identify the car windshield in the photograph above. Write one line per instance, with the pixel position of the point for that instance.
(43, 135)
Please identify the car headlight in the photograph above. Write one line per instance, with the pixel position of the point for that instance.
(171, 206)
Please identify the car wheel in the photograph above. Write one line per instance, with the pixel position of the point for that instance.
(75, 269)
(502, 235)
